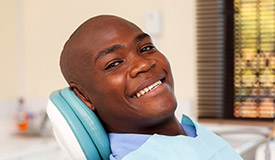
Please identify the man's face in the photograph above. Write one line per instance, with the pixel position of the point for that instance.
(129, 82)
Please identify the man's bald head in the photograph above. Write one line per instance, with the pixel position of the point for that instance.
(75, 56)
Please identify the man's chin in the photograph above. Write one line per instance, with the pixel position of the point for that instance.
(160, 107)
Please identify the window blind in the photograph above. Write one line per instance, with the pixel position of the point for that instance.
(210, 57)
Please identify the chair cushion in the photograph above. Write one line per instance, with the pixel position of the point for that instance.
(84, 124)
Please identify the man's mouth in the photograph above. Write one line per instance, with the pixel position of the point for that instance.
(145, 90)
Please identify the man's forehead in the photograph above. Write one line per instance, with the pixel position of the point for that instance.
(105, 32)
(103, 29)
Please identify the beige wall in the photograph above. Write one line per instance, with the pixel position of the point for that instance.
(48, 23)
(8, 58)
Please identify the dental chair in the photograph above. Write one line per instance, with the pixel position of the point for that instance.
(77, 129)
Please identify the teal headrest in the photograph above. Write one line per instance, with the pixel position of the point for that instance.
(84, 123)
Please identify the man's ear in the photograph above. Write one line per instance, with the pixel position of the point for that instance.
(82, 97)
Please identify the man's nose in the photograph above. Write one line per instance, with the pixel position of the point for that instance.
(140, 65)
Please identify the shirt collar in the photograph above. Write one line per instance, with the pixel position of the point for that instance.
(122, 144)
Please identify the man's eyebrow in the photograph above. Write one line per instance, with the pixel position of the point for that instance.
(108, 50)
(115, 47)
(140, 37)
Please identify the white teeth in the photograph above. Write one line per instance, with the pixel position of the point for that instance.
(142, 92)
(147, 89)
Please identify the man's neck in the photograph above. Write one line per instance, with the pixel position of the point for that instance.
(169, 127)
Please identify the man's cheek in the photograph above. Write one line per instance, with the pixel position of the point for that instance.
(116, 81)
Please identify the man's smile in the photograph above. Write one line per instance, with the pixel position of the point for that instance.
(148, 86)
(147, 89)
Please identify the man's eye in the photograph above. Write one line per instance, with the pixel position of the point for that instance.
(147, 48)
(114, 64)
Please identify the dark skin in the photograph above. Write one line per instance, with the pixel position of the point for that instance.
(106, 62)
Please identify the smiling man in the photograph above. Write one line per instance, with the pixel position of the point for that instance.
(115, 69)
